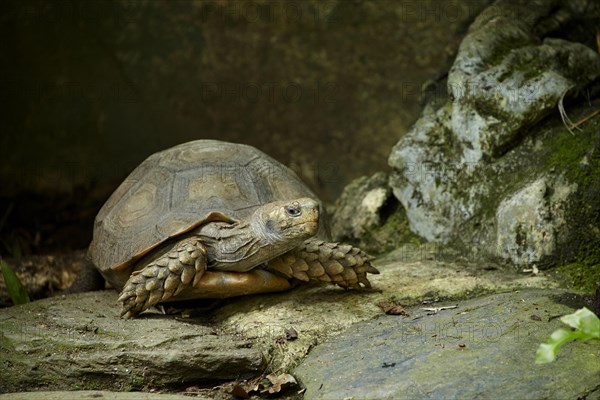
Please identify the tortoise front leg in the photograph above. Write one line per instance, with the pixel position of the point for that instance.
(164, 277)
(337, 263)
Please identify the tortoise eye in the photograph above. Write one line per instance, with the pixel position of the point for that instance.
(293, 211)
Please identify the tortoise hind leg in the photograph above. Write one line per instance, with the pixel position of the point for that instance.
(164, 277)
(337, 263)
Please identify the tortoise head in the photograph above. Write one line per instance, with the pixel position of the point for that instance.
(287, 221)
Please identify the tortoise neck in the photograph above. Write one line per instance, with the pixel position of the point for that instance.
(262, 228)
(233, 246)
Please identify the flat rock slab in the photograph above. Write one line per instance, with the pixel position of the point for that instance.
(484, 348)
(408, 275)
(79, 342)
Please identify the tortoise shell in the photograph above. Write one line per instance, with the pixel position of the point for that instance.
(178, 189)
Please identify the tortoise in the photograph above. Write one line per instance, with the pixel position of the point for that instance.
(212, 219)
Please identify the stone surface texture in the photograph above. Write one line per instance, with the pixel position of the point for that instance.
(484, 348)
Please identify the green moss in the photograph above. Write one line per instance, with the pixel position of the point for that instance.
(567, 152)
(391, 235)
(6, 344)
(577, 155)
(584, 272)
(577, 158)
(578, 276)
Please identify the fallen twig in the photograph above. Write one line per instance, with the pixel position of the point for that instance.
(563, 114)
(585, 119)
(435, 310)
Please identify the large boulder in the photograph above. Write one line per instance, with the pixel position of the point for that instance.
(494, 168)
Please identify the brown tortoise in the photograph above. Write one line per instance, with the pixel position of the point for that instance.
(210, 219)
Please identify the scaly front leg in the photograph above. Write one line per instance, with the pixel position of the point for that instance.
(337, 263)
(164, 277)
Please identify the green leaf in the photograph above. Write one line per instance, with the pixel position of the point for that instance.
(584, 320)
(15, 288)
(586, 325)
(545, 353)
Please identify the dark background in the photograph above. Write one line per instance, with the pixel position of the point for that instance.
(92, 87)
